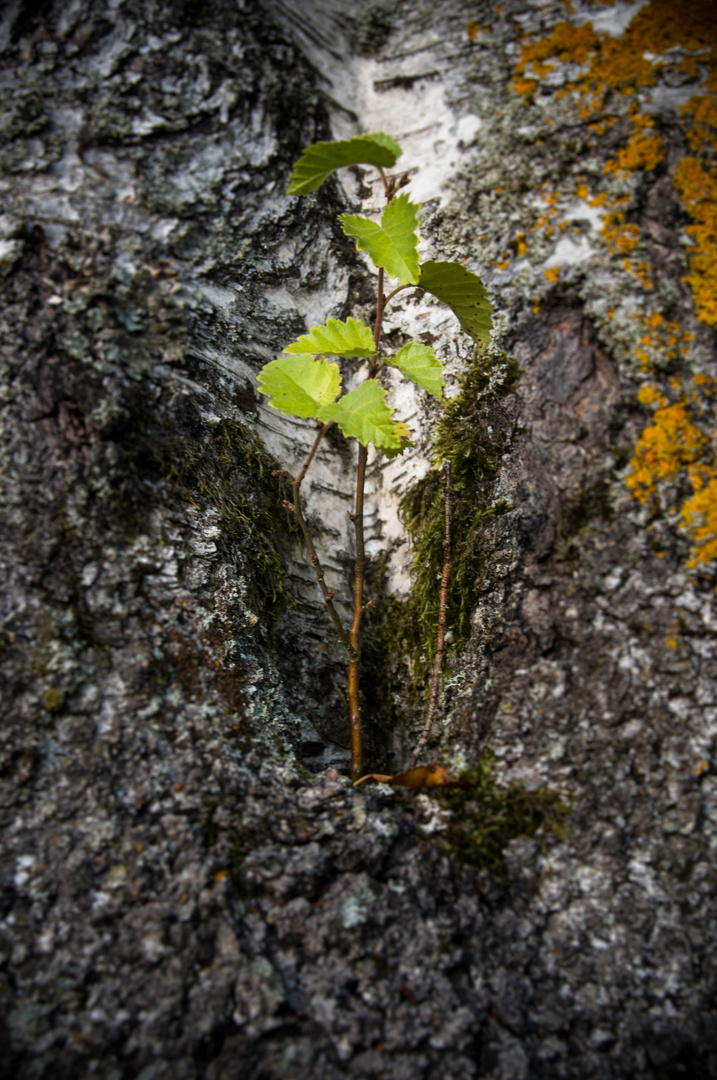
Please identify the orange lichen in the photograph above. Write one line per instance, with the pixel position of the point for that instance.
(552, 274)
(619, 236)
(650, 395)
(609, 82)
(676, 448)
(525, 87)
(663, 449)
(643, 272)
(644, 150)
(674, 33)
(601, 126)
(567, 42)
(697, 184)
(699, 514)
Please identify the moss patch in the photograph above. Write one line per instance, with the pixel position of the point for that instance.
(485, 818)
(373, 21)
(473, 434)
(382, 650)
(589, 504)
(228, 468)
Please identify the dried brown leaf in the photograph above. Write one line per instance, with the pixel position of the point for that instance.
(422, 776)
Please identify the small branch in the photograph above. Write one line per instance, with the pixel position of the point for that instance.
(354, 651)
(319, 570)
(436, 674)
(322, 431)
(297, 509)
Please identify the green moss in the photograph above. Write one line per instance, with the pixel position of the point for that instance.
(485, 818)
(588, 504)
(373, 21)
(382, 642)
(53, 699)
(227, 467)
(473, 434)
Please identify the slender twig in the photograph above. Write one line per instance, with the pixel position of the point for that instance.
(319, 570)
(297, 509)
(436, 674)
(355, 654)
(319, 436)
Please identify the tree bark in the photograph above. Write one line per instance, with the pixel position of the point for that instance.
(190, 887)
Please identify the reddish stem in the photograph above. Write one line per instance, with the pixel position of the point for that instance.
(297, 509)
(442, 604)
(354, 637)
(353, 688)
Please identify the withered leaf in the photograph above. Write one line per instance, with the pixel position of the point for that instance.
(421, 776)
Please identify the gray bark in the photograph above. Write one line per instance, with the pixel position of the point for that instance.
(187, 888)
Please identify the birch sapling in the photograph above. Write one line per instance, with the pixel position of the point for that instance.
(306, 380)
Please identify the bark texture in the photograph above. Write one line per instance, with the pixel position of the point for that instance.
(186, 889)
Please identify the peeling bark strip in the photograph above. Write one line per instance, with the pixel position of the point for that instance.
(176, 898)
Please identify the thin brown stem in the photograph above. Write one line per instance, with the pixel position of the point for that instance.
(380, 305)
(436, 674)
(319, 436)
(359, 570)
(297, 509)
(355, 653)
(319, 570)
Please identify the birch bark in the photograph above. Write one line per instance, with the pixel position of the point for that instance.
(189, 887)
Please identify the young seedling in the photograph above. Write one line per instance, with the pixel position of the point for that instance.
(304, 382)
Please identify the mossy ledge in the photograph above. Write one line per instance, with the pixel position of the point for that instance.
(485, 817)
(226, 467)
(473, 433)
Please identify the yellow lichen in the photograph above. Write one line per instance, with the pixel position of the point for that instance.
(664, 448)
(697, 183)
(644, 150)
(699, 514)
(619, 236)
(676, 448)
(663, 33)
(675, 458)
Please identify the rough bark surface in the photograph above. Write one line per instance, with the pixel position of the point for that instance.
(180, 896)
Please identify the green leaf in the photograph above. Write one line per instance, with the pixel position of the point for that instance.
(364, 414)
(421, 365)
(336, 338)
(320, 160)
(300, 385)
(463, 292)
(397, 451)
(392, 244)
